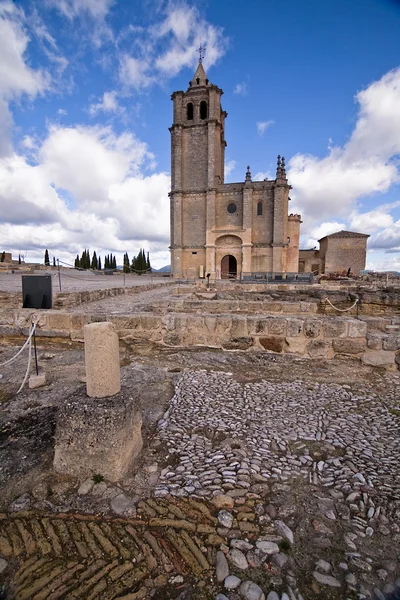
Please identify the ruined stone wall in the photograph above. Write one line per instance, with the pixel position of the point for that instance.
(312, 337)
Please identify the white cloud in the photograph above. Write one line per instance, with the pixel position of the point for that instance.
(87, 188)
(62, 111)
(134, 72)
(261, 175)
(387, 239)
(16, 77)
(169, 45)
(108, 103)
(240, 89)
(229, 168)
(330, 186)
(262, 126)
(96, 9)
(312, 236)
(375, 219)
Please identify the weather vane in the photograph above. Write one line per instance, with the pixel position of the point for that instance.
(200, 51)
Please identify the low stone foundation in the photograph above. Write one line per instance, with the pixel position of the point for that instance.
(97, 436)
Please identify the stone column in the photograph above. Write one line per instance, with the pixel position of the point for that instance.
(101, 360)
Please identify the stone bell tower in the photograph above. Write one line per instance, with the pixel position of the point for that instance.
(197, 169)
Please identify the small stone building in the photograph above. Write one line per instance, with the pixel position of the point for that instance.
(337, 253)
(219, 228)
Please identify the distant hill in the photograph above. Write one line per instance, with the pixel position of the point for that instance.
(166, 269)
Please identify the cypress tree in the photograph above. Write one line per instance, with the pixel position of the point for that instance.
(54, 261)
(46, 258)
(19, 259)
(126, 263)
(77, 262)
(114, 262)
(99, 264)
(94, 261)
(3, 256)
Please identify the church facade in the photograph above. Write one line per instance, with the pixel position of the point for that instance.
(217, 228)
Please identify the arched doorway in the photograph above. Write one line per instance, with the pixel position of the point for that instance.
(228, 267)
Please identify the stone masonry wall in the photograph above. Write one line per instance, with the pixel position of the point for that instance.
(311, 336)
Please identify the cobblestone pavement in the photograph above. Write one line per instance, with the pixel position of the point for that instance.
(259, 490)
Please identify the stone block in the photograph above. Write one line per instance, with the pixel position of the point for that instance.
(102, 360)
(172, 339)
(272, 343)
(97, 436)
(378, 358)
(334, 328)
(312, 328)
(320, 349)
(36, 381)
(391, 342)
(78, 320)
(294, 327)
(277, 326)
(374, 341)
(239, 343)
(349, 345)
(59, 320)
(239, 327)
(291, 308)
(357, 329)
(296, 345)
(257, 325)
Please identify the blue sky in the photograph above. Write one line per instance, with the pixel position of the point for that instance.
(85, 108)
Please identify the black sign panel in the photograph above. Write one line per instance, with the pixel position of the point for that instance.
(37, 291)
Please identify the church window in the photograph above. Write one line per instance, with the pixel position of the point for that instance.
(232, 208)
(259, 209)
(189, 111)
(198, 80)
(203, 110)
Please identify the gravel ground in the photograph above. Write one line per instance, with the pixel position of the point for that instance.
(78, 281)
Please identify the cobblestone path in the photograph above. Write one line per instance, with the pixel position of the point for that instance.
(84, 556)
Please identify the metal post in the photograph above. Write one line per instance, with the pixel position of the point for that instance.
(59, 273)
(35, 350)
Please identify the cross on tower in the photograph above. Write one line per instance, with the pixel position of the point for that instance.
(200, 51)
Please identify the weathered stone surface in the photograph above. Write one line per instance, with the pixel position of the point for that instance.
(378, 358)
(349, 346)
(123, 505)
(238, 559)
(272, 343)
(223, 501)
(36, 381)
(238, 343)
(326, 579)
(102, 360)
(86, 487)
(221, 567)
(320, 349)
(97, 436)
(312, 328)
(232, 582)
(251, 591)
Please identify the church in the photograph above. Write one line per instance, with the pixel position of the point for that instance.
(223, 229)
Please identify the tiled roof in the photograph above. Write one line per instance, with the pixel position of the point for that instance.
(345, 234)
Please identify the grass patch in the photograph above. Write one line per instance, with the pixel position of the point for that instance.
(97, 478)
(394, 411)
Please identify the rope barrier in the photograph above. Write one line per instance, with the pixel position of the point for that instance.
(28, 368)
(342, 309)
(21, 349)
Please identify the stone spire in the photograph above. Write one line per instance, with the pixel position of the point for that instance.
(248, 174)
(280, 168)
(200, 77)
